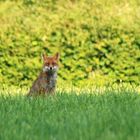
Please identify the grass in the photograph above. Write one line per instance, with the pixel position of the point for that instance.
(111, 115)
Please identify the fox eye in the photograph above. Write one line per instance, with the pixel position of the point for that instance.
(47, 64)
(53, 63)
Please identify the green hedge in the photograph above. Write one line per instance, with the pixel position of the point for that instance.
(99, 42)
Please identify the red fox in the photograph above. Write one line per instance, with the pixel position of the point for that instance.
(46, 81)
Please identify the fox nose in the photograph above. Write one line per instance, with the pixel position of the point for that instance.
(50, 68)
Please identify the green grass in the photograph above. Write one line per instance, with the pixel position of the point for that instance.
(109, 115)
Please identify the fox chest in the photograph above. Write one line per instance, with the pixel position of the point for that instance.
(48, 83)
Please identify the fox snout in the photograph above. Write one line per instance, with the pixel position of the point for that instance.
(50, 68)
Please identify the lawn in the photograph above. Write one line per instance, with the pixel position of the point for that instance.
(112, 115)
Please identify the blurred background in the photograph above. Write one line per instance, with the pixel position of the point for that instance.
(99, 40)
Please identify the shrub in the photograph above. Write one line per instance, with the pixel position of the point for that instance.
(99, 42)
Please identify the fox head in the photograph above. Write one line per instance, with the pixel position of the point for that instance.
(50, 63)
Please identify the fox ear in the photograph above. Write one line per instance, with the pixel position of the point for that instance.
(43, 56)
(57, 55)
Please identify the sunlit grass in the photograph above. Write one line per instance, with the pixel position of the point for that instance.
(69, 88)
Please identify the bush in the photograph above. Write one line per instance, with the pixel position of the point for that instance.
(99, 42)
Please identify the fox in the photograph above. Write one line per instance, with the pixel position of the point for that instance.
(45, 83)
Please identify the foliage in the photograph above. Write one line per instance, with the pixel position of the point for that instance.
(112, 115)
(99, 41)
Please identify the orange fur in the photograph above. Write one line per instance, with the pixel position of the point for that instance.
(46, 81)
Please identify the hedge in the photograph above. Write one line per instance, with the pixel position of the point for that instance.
(99, 41)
